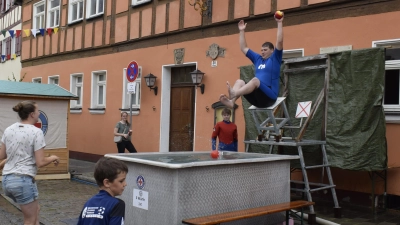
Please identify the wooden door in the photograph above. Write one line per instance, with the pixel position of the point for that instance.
(181, 127)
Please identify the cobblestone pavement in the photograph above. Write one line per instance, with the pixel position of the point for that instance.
(62, 200)
(9, 214)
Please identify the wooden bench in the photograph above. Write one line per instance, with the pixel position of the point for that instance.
(249, 213)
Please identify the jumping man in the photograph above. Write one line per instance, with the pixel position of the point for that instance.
(261, 91)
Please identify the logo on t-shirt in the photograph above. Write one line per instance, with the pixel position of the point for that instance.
(261, 66)
(43, 122)
(93, 212)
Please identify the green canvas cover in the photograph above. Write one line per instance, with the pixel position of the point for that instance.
(356, 128)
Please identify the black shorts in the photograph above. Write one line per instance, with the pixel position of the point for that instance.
(259, 99)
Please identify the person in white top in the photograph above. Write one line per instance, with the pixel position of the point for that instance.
(22, 144)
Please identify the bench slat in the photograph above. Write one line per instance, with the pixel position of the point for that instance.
(247, 213)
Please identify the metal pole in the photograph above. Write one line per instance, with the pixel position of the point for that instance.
(130, 108)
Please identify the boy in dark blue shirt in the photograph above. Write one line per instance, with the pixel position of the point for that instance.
(104, 208)
(261, 91)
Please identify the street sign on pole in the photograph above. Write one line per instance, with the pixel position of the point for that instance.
(131, 87)
(132, 71)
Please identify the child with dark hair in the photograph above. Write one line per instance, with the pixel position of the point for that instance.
(104, 208)
(226, 131)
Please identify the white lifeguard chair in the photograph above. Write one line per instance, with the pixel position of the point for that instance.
(271, 125)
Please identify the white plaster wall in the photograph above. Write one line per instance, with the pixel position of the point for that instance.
(8, 67)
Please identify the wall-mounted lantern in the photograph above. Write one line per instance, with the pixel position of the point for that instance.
(151, 81)
(197, 77)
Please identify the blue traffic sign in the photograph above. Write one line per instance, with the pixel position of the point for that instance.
(132, 71)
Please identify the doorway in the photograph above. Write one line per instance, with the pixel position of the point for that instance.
(182, 109)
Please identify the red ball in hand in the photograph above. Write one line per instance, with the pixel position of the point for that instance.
(214, 154)
(278, 15)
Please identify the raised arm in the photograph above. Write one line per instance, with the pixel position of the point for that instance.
(279, 38)
(242, 39)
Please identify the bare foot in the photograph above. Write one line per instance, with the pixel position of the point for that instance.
(224, 100)
(231, 92)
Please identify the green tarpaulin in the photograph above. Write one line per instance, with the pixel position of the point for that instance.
(356, 132)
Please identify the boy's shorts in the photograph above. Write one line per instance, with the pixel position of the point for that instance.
(259, 99)
(22, 189)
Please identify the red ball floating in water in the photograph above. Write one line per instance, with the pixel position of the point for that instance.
(214, 154)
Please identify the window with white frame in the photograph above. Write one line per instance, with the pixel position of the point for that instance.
(37, 80)
(5, 5)
(54, 79)
(76, 88)
(6, 48)
(38, 15)
(99, 81)
(3, 50)
(53, 13)
(12, 47)
(18, 45)
(75, 11)
(292, 53)
(94, 8)
(391, 100)
(139, 2)
(134, 98)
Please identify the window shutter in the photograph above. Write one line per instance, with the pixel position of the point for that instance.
(18, 45)
(8, 45)
(3, 5)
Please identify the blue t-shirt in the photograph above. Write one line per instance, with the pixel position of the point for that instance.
(267, 71)
(103, 209)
